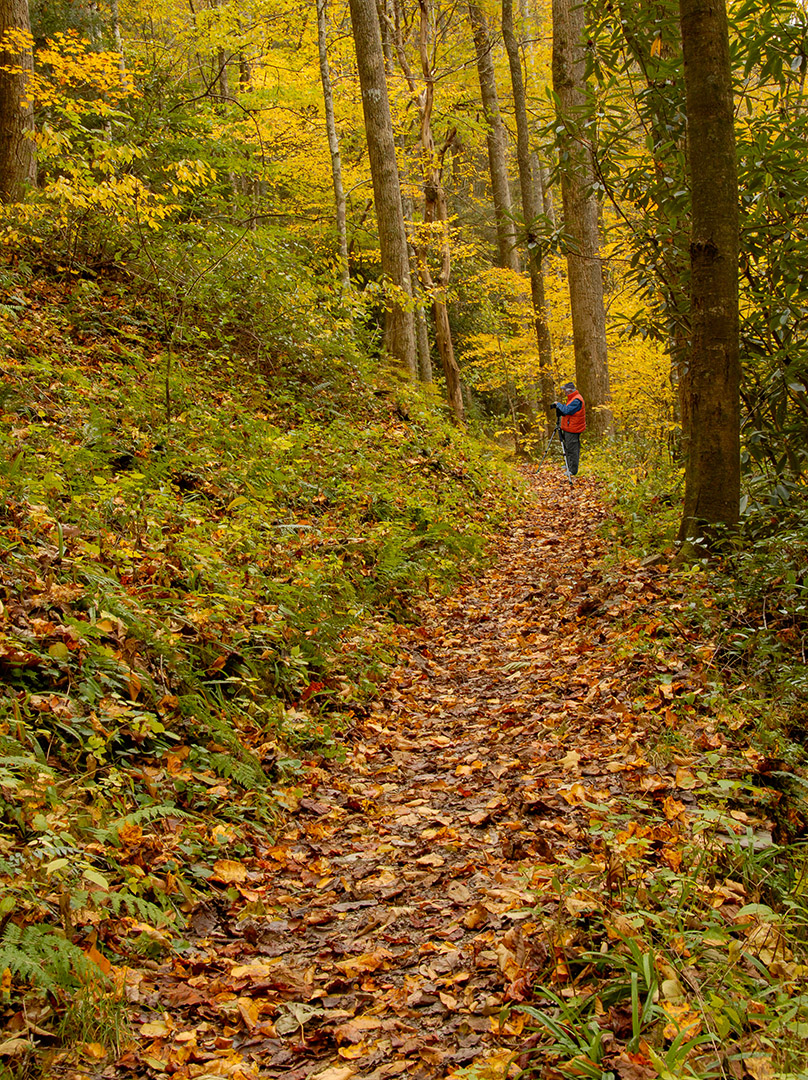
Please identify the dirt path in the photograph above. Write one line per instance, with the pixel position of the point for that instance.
(407, 901)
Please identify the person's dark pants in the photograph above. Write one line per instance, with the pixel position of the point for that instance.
(572, 449)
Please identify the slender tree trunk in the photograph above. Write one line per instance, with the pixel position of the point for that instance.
(399, 329)
(496, 141)
(422, 348)
(712, 469)
(223, 79)
(434, 202)
(17, 150)
(333, 142)
(435, 209)
(422, 337)
(580, 207)
(530, 208)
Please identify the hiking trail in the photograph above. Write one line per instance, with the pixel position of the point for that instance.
(412, 894)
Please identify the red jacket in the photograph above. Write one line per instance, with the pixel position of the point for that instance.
(577, 421)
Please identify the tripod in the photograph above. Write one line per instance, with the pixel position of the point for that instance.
(557, 431)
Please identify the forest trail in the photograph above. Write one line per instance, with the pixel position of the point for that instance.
(414, 888)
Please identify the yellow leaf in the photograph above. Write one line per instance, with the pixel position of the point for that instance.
(365, 962)
(685, 779)
(574, 794)
(155, 1029)
(94, 1050)
(228, 872)
(352, 1052)
(760, 1068)
(656, 47)
(248, 1010)
(569, 762)
(681, 1018)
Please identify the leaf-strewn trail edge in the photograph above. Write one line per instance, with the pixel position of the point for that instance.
(422, 888)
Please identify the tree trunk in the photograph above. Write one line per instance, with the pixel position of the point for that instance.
(434, 203)
(580, 209)
(530, 209)
(422, 347)
(496, 141)
(422, 339)
(333, 142)
(435, 210)
(660, 110)
(17, 149)
(712, 469)
(399, 328)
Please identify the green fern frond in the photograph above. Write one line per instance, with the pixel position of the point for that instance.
(42, 957)
(143, 816)
(247, 774)
(137, 907)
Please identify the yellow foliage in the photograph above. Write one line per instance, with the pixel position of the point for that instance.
(503, 357)
(643, 396)
(90, 174)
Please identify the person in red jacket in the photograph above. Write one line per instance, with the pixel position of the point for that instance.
(572, 421)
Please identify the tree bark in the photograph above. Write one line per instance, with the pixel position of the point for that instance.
(660, 110)
(435, 208)
(531, 209)
(496, 141)
(333, 142)
(580, 210)
(712, 456)
(17, 149)
(399, 328)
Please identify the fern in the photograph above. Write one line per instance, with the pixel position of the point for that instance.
(146, 814)
(136, 906)
(247, 774)
(14, 761)
(220, 729)
(42, 957)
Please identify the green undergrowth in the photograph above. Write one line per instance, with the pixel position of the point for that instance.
(680, 950)
(753, 597)
(203, 561)
(680, 941)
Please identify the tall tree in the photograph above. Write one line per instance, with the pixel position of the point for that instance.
(435, 208)
(531, 206)
(496, 140)
(712, 470)
(580, 208)
(17, 151)
(399, 328)
(333, 140)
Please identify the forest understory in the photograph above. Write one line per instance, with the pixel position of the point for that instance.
(549, 847)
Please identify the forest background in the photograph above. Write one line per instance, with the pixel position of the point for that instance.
(221, 491)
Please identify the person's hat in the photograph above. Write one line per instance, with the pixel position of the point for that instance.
(568, 387)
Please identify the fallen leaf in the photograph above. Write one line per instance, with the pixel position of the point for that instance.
(338, 1072)
(759, 1067)
(155, 1029)
(360, 965)
(685, 779)
(569, 762)
(248, 1010)
(458, 892)
(681, 1018)
(15, 1047)
(228, 872)
(354, 1030)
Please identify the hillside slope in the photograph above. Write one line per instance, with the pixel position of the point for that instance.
(203, 559)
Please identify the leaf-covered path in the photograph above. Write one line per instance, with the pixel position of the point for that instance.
(410, 894)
